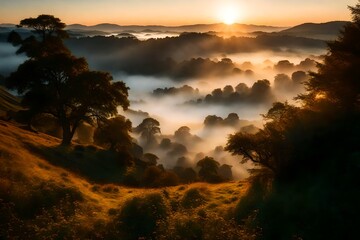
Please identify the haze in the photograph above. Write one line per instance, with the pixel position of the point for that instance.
(178, 12)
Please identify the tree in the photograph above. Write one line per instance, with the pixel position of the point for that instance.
(209, 169)
(213, 120)
(49, 31)
(151, 159)
(269, 147)
(306, 148)
(54, 82)
(225, 172)
(337, 84)
(232, 119)
(183, 135)
(114, 134)
(148, 128)
(183, 162)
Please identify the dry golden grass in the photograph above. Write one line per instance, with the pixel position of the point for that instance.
(99, 199)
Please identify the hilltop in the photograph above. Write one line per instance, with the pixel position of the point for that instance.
(324, 31)
(216, 27)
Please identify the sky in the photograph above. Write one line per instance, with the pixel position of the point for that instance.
(179, 12)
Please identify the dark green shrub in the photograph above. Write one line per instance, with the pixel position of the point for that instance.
(193, 198)
(189, 229)
(140, 216)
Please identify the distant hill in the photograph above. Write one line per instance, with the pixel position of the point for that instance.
(218, 27)
(323, 31)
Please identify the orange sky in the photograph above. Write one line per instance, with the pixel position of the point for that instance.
(178, 12)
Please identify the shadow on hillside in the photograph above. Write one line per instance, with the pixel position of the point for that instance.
(94, 164)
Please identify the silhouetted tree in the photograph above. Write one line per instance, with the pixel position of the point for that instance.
(261, 91)
(177, 150)
(151, 158)
(225, 172)
(165, 143)
(336, 82)
(308, 147)
(228, 90)
(114, 134)
(282, 82)
(182, 134)
(299, 77)
(212, 120)
(183, 162)
(242, 89)
(263, 148)
(209, 170)
(49, 32)
(189, 175)
(232, 119)
(284, 66)
(148, 128)
(54, 82)
(307, 65)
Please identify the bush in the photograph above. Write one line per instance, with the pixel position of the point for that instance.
(140, 216)
(29, 199)
(193, 198)
(205, 226)
(249, 203)
(157, 177)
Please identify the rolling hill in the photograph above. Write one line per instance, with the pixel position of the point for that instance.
(324, 31)
(41, 199)
(218, 27)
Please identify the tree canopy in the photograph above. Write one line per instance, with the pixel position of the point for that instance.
(54, 82)
(114, 133)
(148, 128)
(312, 152)
(337, 81)
(209, 169)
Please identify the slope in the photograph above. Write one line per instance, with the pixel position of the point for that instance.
(31, 184)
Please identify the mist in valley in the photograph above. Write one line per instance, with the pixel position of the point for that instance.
(193, 79)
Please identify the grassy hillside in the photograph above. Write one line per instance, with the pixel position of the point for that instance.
(34, 190)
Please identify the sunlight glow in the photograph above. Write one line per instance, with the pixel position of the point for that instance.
(229, 15)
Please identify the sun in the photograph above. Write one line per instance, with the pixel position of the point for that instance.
(228, 15)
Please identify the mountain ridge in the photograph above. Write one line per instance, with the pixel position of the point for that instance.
(324, 31)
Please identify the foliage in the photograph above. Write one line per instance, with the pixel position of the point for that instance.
(114, 133)
(311, 152)
(193, 198)
(202, 225)
(270, 147)
(54, 82)
(336, 82)
(156, 177)
(209, 170)
(141, 215)
(148, 128)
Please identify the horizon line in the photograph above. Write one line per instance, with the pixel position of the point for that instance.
(181, 25)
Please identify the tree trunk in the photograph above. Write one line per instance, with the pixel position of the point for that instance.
(68, 132)
(67, 136)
